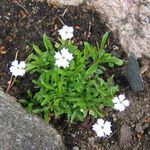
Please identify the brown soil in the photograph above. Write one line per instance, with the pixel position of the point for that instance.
(23, 23)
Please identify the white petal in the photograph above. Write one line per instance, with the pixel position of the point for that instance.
(119, 107)
(100, 122)
(62, 63)
(65, 53)
(107, 124)
(15, 63)
(21, 72)
(22, 64)
(107, 128)
(121, 97)
(66, 32)
(71, 29)
(64, 36)
(115, 100)
(126, 103)
(58, 55)
(96, 127)
(12, 68)
(100, 133)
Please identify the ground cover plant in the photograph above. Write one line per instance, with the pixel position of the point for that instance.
(70, 80)
(24, 22)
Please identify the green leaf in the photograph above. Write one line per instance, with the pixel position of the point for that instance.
(36, 48)
(30, 107)
(86, 49)
(46, 116)
(111, 59)
(111, 65)
(47, 43)
(104, 40)
(30, 67)
(46, 100)
(73, 116)
(91, 69)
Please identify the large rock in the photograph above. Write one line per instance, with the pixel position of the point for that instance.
(130, 18)
(22, 131)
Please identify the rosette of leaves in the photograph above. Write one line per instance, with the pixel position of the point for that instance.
(76, 91)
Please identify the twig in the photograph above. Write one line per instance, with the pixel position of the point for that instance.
(12, 80)
(60, 20)
(111, 135)
(64, 12)
(22, 7)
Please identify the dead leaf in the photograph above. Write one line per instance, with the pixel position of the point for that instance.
(3, 49)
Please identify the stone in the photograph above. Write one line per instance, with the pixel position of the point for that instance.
(139, 128)
(133, 74)
(65, 2)
(22, 131)
(125, 139)
(114, 147)
(130, 19)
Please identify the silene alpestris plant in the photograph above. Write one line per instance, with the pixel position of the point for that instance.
(70, 80)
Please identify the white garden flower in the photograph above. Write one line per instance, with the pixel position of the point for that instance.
(66, 32)
(63, 58)
(102, 128)
(17, 69)
(120, 102)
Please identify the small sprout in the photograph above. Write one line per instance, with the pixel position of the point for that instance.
(120, 102)
(102, 128)
(63, 58)
(66, 32)
(17, 69)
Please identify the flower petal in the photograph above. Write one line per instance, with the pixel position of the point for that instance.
(22, 64)
(119, 107)
(65, 53)
(100, 133)
(116, 100)
(15, 63)
(126, 103)
(58, 55)
(121, 97)
(100, 122)
(107, 128)
(66, 32)
(61, 63)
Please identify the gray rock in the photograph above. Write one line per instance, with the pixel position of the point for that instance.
(114, 147)
(133, 74)
(22, 131)
(139, 128)
(129, 18)
(125, 139)
(65, 2)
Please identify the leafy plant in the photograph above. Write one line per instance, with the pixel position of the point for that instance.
(76, 91)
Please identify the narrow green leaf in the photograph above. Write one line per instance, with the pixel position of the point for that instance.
(47, 43)
(92, 69)
(46, 116)
(86, 50)
(36, 48)
(73, 116)
(104, 40)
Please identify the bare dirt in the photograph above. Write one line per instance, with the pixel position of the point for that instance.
(23, 23)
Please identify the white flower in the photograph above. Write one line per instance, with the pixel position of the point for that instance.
(120, 102)
(66, 32)
(102, 128)
(63, 58)
(17, 69)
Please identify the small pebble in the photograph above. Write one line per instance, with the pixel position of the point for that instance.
(75, 148)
